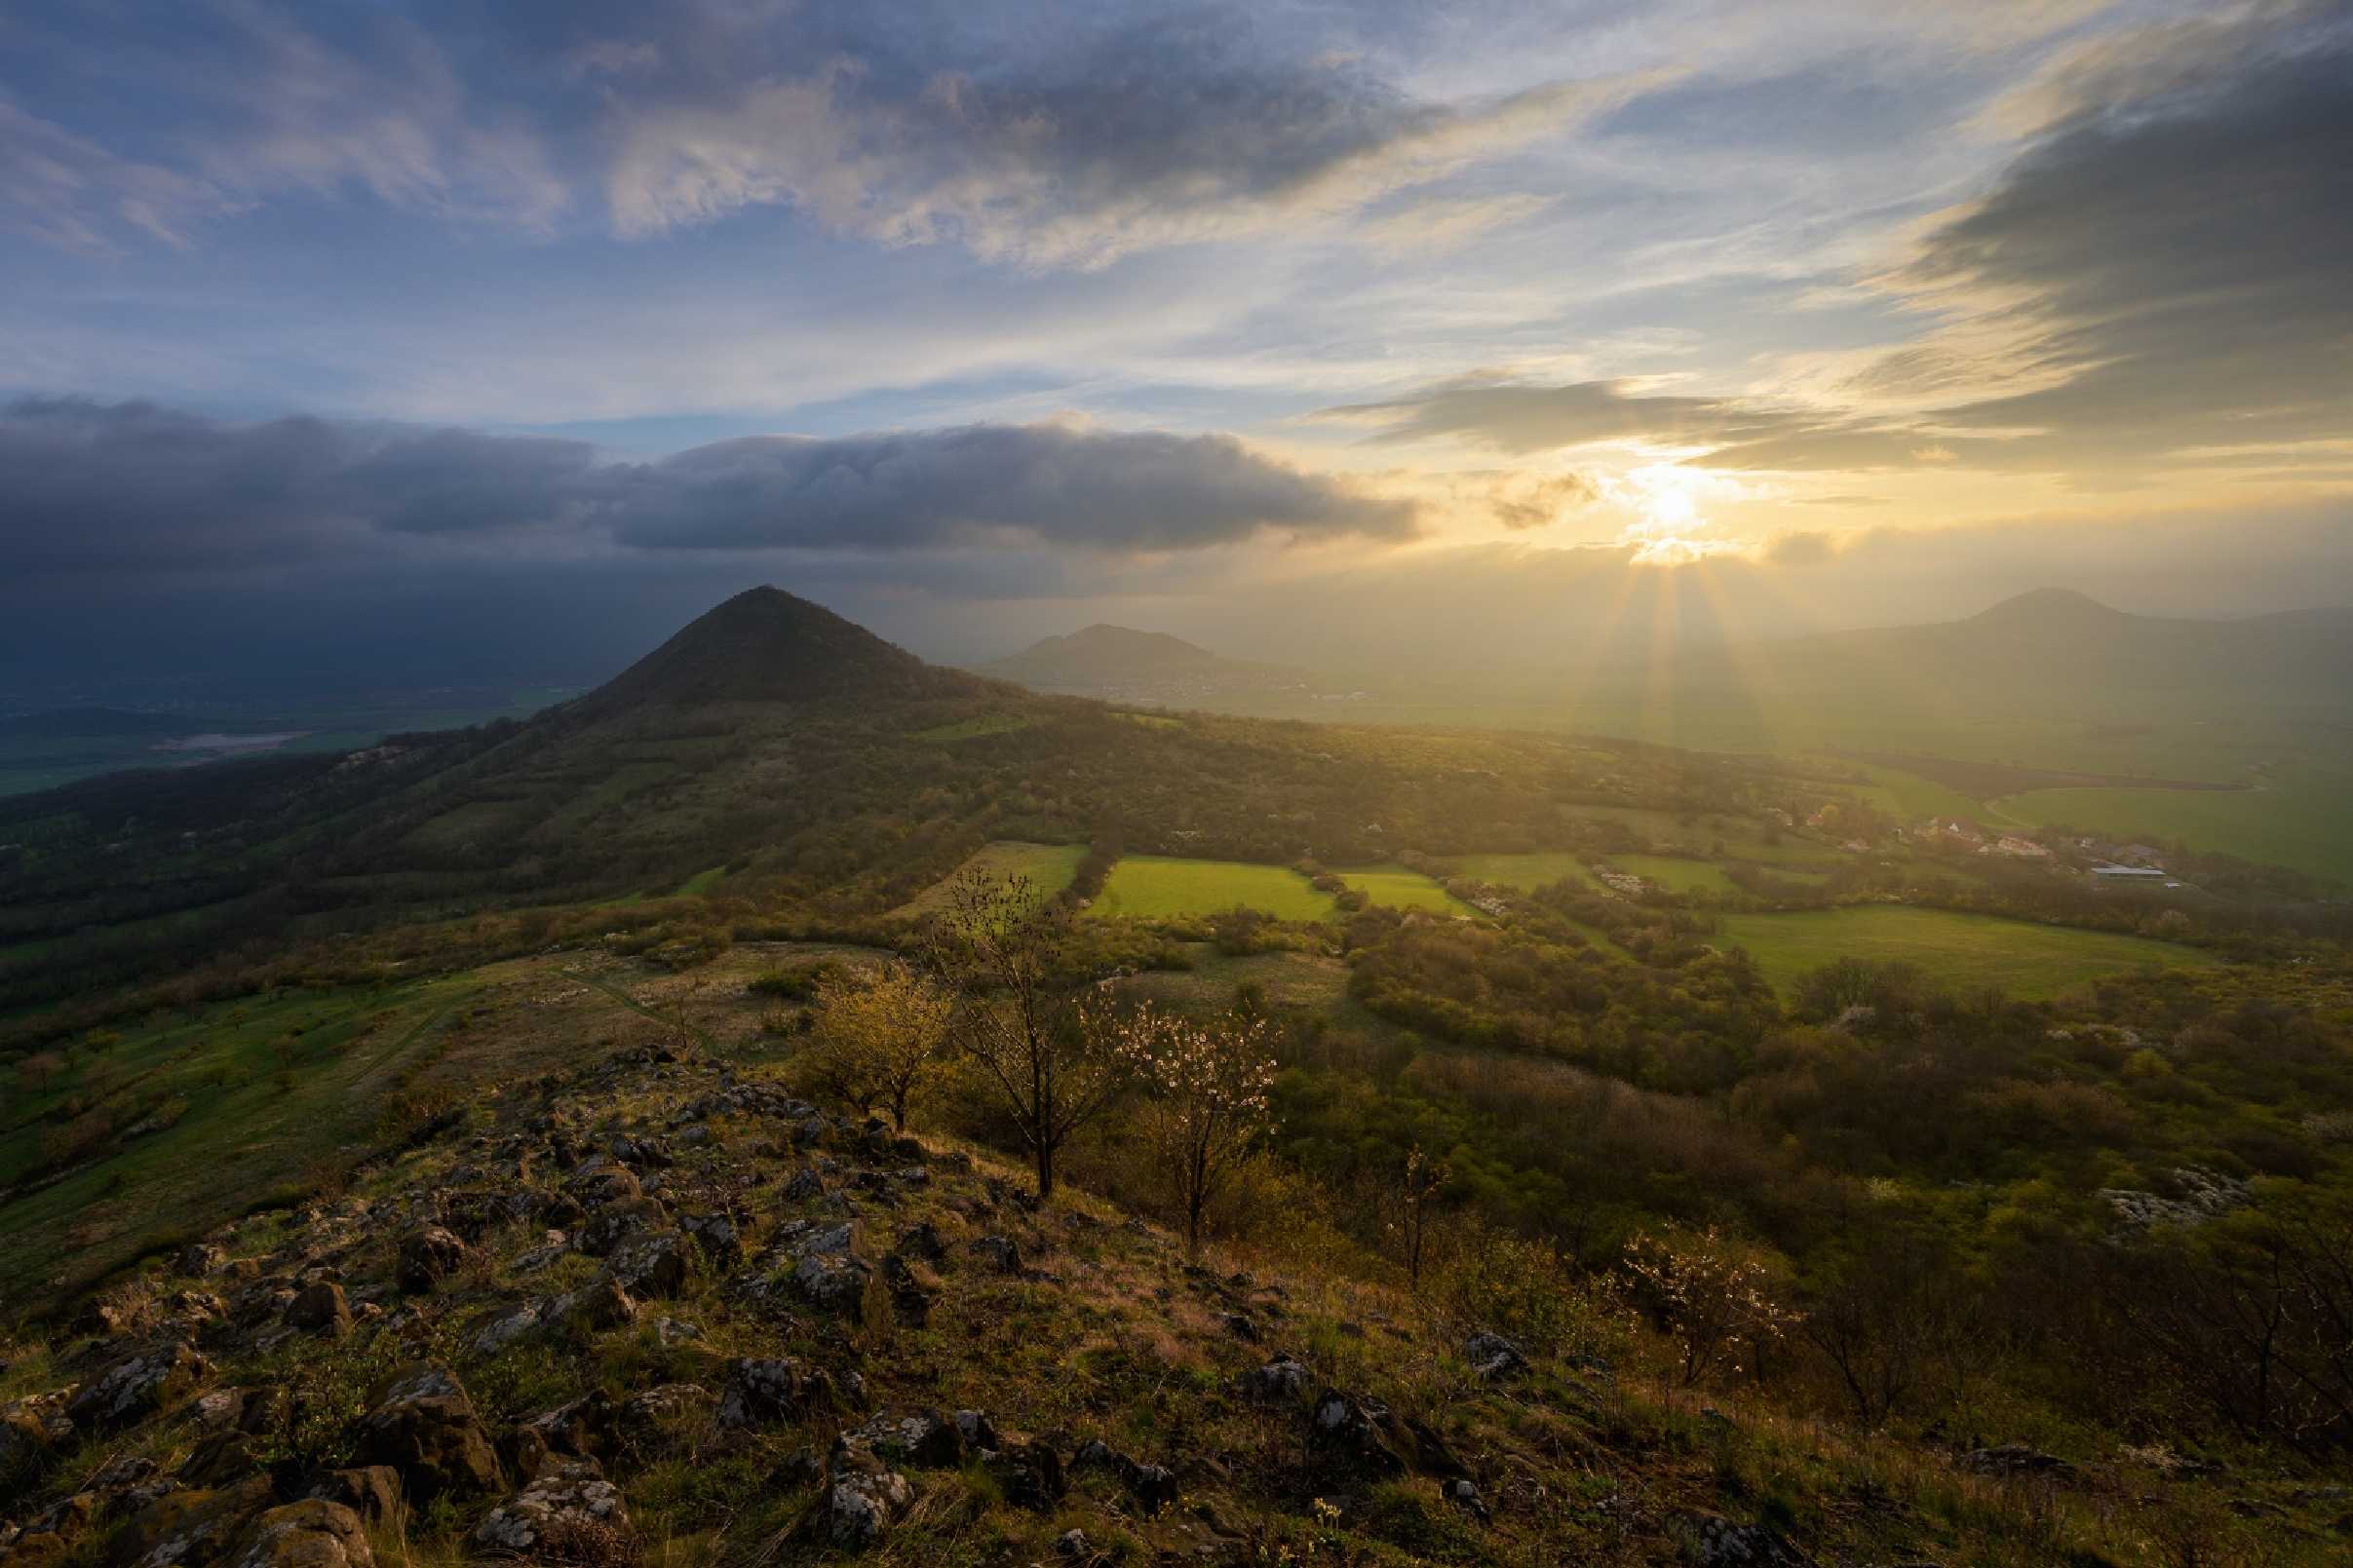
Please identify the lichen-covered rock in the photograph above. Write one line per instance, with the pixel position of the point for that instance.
(619, 1222)
(137, 1386)
(1280, 1381)
(769, 1393)
(602, 1303)
(1710, 1542)
(1153, 1486)
(568, 1511)
(370, 1491)
(1493, 1356)
(913, 1435)
(187, 1527)
(717, 1235)
(516, 1322)
(863, 1498)
(652, 1264)
(429, 1256)
(423, 1425)
(2010, 1460)
(311, 1534)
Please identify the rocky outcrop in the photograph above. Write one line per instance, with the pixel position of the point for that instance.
(428, 1256)
(137, 1386)
(568, 1511)
(423, 1425)
(310, 1534)
(769, 1393)
(863, 1497)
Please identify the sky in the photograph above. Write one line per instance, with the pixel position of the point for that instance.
(373, 333)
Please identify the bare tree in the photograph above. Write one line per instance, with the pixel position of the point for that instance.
(1002, 952)
(1206, 1107)
(879, 1033)
(1411, 1205)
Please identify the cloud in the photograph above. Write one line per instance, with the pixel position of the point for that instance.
(1184, 128)
(2167, 274)
(134, 489)
(70, 192)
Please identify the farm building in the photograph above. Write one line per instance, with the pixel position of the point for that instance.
(2127, 873)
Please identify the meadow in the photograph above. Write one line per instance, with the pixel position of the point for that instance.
(2300, 822)
(1959, 950)
(1048, 866)
(1166, 887)
(1395, 888)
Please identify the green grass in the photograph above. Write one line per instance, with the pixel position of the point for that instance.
(1048, 866)
(1526, 873)
(2027, 960)
(1395, 888)
(701, 882)
(1161, 887)
(2301, 822)
(967, 729)
(1675, 875)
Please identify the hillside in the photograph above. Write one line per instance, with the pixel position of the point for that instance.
(653, 1305)
(1126, 665)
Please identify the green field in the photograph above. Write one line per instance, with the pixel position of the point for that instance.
(1048, 866)
(1526, 873)
(1395, 888)
(1163, 887)
(1675, 875)
(2301, 823)
(2026, 960)
(1907, 798)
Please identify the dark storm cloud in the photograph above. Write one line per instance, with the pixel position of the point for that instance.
(1128, 490)
(134, 489)
(2187, 264)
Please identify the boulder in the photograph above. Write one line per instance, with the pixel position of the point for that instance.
(1366, 1435)
(652, 1263)
(200, 1260)
(1710, 1542)
(311, 1534)
(863, 1497)
(428, 1257)
(909, 1299)
(621, 1221)
(1153, 1486)
(913, 1435)
(517, 1322)
(717, 1235)
(568, 1511)
(1493, 1356)
(137, 1386)
(772, 1392)
(370, 1491)
(1280, 1381)
(600, 1304)
(31, 1430)
(189, 1526)
(423, 1425)
(1029, 1475)
(320, 1309)
(921, 1242)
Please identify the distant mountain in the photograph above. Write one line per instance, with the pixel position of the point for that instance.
(1116, 660)
(2058, 641)
(765, 645)
(86, 723)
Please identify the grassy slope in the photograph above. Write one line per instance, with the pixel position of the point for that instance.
(1397, 887)
(1538, 869)
(2027, 960)
(1675, 875)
